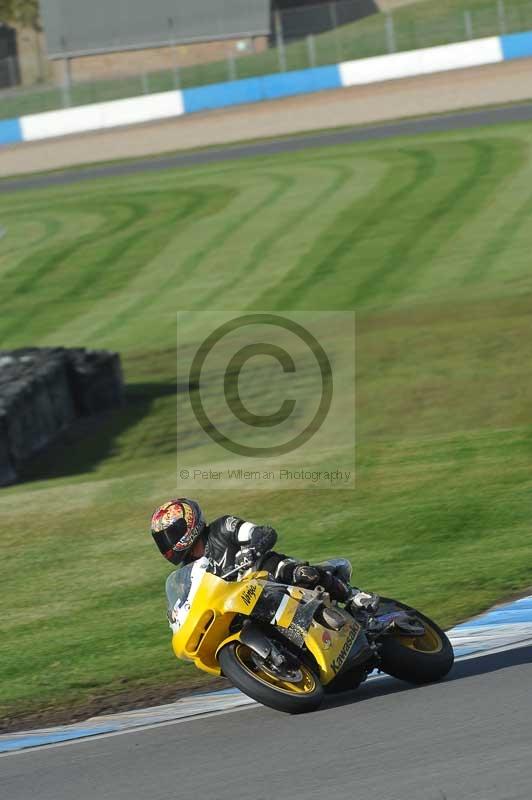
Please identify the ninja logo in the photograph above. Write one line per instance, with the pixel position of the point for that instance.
(249, 594)
(344, 652)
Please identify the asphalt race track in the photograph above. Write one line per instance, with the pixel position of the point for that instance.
(468, 737)
(435, 124)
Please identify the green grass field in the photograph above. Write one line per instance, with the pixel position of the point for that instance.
(422, 24)
(428, 239)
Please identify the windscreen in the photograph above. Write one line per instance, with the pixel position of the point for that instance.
(181, 586)
(178, 586)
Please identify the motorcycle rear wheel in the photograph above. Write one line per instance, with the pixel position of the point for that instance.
(418, 659)
(296, 696)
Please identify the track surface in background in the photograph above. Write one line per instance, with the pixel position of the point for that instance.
(465, 739)
(295, 144)
(410, 97)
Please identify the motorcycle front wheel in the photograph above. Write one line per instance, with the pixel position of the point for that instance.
(417, 659)
(297, 692)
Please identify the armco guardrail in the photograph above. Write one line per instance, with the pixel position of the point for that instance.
(164, 105)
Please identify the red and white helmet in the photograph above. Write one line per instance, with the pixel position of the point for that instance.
(176, 526)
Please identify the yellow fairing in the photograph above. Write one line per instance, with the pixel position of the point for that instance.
(207, 625)
(288, 613)
(331, 648)
(234, 638)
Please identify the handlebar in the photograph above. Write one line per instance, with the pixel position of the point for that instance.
(245, 565)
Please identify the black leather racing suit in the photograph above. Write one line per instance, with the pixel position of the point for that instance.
(227, 536)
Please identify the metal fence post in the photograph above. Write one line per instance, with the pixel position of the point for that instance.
(173, 46)
(468, 23)
(390, 33)
(67, 78)
(311, 50)
(231, 66)
(11, 71)
(39, 58)
(281, 54)
(501, 12)
(67, 83)
(334, 27)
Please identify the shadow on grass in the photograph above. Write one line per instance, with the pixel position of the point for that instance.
(89, 441)
(470, 668)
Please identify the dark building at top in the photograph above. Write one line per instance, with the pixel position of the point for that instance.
(303, 17)
(9, 67)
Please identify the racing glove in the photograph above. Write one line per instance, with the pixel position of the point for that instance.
(308, 576)
(262, 539)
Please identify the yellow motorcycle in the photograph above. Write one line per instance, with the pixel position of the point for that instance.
(285, 646)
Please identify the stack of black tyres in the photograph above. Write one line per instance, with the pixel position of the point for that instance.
(43, 391)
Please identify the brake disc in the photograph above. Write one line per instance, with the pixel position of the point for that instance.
(282, 672)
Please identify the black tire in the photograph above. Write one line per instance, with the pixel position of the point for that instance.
(233, 661)
(418, 660)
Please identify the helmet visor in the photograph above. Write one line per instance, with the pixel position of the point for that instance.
(168, 542)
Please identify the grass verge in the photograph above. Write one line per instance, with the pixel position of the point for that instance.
(426, 238)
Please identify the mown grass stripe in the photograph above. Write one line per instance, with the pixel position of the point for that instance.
(176, 282)
(496, 246)
(264, 246)
(360, 220)
(434, 224)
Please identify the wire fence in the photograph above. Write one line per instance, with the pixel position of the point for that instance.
(285, 50)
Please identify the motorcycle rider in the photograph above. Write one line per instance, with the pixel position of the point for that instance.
(183, 537)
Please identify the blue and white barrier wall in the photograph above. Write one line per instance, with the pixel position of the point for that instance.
(101, 116)
(422, 62)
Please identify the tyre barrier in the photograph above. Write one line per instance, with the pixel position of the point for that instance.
(43, 391)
